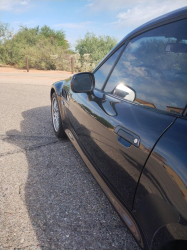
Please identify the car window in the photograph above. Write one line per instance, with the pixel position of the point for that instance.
(152, 70)
(102, 73)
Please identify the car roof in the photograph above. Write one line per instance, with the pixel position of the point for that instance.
(170, 15)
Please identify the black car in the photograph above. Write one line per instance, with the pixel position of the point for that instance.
(128, 121)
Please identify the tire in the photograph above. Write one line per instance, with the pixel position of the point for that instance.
(56, 117)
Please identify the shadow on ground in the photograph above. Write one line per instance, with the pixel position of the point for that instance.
(67, 208)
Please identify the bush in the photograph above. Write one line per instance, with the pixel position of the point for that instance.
(40, 45)
(47, 49)
(92, 49)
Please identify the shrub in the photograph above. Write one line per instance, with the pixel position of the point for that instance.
(92, 49)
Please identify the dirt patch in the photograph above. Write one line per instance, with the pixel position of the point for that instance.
(33, 77)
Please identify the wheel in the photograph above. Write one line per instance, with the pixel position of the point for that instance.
(56, 117)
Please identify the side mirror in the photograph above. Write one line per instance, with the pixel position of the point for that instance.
(125, 92)
(83, 82)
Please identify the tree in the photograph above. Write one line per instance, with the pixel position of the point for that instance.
(42, 45)
(57, 35)
(5, 32)
(97, 47)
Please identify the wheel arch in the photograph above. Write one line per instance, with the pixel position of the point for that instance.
(170, 236)
(51, 92)
(57, 88)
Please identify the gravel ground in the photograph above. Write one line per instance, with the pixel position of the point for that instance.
(49, 199)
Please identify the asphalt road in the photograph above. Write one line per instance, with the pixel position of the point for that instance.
(49, 199)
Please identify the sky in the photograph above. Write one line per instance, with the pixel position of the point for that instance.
(76, 17)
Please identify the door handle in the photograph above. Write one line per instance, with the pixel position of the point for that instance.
(127, 135)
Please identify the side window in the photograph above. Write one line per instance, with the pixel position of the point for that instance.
(152, 70)
(102, 73)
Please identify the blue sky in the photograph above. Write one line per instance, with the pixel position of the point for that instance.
(102, 17)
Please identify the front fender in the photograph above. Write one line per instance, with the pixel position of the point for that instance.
(57, 88)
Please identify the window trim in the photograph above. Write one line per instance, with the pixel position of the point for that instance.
(118, 46)
(146, 107)
(114, 64)
(184, 113)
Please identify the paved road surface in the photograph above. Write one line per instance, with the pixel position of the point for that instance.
(49, 199)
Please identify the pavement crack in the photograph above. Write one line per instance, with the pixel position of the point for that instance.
(56, 172)
(5, 137)
(21, 192)
(28, 148)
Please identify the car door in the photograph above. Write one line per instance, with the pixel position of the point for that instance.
(137, 96)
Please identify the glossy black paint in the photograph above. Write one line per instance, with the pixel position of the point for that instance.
(94, 120)
(57, 87)
(162, 190)
(147, 184)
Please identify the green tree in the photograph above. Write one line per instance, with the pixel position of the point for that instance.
(57, 35)
(27, 36)
(5, 32)
(96, 46)
(42, 46)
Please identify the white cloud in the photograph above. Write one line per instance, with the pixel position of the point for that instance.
(110, 5)
(106, 5)
(135, 12)
(144, 12)
(82, 25)
(29, 22)
(9, 5)
(89, 5)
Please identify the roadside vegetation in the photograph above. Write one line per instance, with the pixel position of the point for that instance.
(91, 49)
(48, 49)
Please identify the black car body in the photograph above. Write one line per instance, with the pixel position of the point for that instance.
(130, 127)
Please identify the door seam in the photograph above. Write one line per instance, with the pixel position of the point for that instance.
(148, 159)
